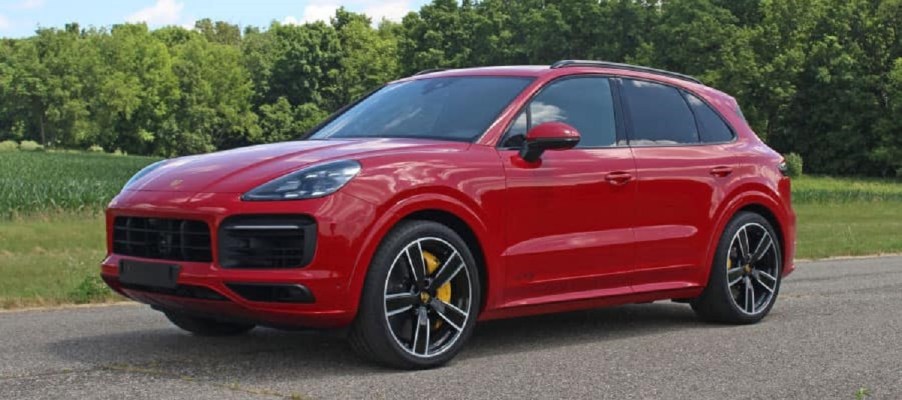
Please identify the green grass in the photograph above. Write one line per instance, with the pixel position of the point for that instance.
(50, 182)
(52, 230)
(50, 261)
(848, 229)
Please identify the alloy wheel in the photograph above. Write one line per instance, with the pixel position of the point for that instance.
(427, 297)
(753, 268)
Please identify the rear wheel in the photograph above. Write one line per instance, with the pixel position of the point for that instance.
(745, 277)
(420, 298)
(205, 326)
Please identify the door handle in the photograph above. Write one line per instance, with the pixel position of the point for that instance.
(618, 178)
(721, 171)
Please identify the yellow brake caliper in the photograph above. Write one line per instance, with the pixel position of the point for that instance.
(444, 292)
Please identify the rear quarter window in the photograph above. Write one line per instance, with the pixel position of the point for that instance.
(711, 127)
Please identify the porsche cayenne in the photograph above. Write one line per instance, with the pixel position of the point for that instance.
(456, 196)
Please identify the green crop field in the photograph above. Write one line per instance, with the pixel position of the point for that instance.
(42, 182)
(52, 233)
(826, 190)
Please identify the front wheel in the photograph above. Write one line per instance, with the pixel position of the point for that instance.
(745, 275)
(420, 298)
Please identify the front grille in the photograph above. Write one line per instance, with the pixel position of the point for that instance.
(163, 239)
(266, 241)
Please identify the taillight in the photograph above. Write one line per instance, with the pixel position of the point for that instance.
(784, 169)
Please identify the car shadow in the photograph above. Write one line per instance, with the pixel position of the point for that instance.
(310, 354)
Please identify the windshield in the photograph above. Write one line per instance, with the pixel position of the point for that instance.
(454, 108)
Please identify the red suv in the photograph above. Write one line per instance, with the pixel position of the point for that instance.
(462, 195)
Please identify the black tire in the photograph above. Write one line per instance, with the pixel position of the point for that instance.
(205, 326)
(720, 301)
(371, 335)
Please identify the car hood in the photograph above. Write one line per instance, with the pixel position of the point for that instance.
(240, 170)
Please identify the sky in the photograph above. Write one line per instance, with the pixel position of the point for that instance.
(20, 18)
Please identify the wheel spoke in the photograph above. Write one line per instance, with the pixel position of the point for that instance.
(773, 281)
(763, 246)
(764, 285)
(743, 237)
(749, 296)
(399, 302)
(446, 272)
(416, 262)
(422, 322)
(452, 315)
(731, 272)
(416, 335)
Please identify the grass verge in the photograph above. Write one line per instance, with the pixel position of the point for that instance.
(47, 261)
(848, 229)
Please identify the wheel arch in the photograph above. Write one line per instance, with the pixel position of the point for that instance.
(438, 208)
(758, 201)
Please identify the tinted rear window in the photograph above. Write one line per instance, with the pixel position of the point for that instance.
(658, 114)
(454, 108)
(711, 128)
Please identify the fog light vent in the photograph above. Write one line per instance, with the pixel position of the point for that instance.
(273, 292)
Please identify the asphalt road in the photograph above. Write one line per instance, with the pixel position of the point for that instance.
(837, 327)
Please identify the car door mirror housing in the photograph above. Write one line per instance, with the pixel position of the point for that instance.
(548, 136)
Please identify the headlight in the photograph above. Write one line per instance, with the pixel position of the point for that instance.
(308, 183)
(144, 171)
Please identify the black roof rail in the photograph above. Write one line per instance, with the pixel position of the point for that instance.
(429, 71)
(628, 67)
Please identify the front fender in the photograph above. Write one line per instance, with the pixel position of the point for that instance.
(399, 209)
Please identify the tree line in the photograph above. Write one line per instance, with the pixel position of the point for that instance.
(822, 78)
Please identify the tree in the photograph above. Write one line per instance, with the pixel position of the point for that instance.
(368, 57)
(215, 100)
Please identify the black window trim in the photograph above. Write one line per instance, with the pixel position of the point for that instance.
(620, 139)
(683, 91)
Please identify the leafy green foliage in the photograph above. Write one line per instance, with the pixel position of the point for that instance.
(29, 145)
(794, 165)
(90, 289)
(8, 145)
(821, 78)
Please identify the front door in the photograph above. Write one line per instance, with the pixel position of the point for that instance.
(569, 218)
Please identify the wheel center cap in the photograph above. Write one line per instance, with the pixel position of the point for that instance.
(424, 297)
(747, 268)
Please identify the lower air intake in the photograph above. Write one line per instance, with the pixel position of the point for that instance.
(267, 241)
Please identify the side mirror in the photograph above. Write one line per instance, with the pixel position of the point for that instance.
(548, 136)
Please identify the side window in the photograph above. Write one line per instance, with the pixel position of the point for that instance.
(711, 128)
(658, 114)
(585, 103)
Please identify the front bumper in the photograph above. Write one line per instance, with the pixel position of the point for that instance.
(204, 286)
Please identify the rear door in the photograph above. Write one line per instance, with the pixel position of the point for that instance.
(681, 178)
(569, 219)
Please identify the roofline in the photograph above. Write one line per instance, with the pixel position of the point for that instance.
(627, 67)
